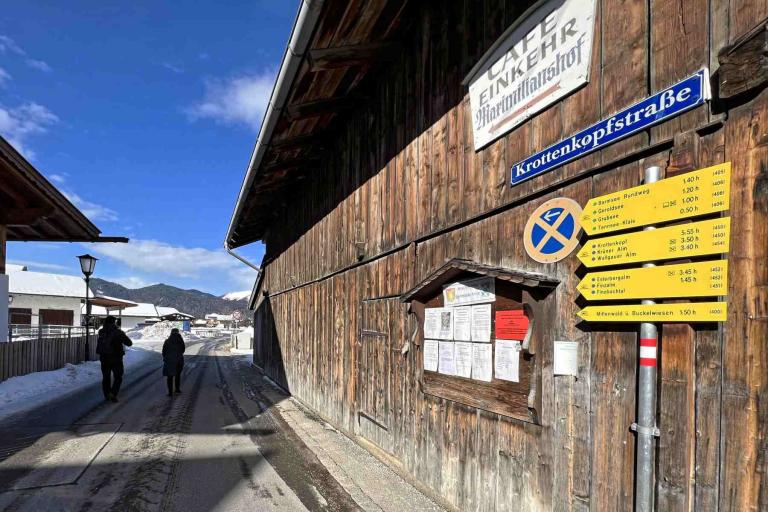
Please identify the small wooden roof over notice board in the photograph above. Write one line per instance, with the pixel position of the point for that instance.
(455, 267)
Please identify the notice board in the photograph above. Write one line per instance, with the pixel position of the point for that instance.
(518, 313)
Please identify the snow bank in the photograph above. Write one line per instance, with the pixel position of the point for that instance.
(158, 331)
(20, 394)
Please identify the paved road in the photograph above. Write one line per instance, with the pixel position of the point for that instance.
(217, 446)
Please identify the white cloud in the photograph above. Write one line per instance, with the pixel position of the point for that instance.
(91, 210)
(42, 266)
(161, 258)
(19, 123)
(39, 65)
(5, 77)
(238, 100)
(8, 45)
(172, 67)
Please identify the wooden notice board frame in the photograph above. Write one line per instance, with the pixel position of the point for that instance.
(514, 290)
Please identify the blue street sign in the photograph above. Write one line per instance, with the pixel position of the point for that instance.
(674, 100)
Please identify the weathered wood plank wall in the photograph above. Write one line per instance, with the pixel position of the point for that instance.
(41, 355)
(404, 190)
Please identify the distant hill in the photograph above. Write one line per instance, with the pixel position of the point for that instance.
(194, 302)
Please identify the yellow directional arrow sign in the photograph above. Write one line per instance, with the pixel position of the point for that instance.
(687, 312)
(682, 241)
(694, 193)
(705, 279)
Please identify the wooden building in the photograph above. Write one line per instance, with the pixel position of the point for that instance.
(366, 187)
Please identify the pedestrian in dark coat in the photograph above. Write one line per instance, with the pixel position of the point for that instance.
(173, 361)
(110, 349)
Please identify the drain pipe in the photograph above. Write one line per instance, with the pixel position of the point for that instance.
(235, 255)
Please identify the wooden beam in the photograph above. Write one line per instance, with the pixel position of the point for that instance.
(317, 108)
(290, 164)
(744, 64)
(299, 142)
(24, 216)
(321, 59)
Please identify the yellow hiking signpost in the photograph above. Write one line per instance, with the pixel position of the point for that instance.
(683, 312)
(687, 195)
(705, 279)
(673, 242)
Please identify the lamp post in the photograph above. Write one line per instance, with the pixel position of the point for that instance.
(87, 265)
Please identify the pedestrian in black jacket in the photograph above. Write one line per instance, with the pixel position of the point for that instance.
(110, 349)
(173, 361)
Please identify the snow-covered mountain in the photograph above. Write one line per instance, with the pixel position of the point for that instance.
(237, 295)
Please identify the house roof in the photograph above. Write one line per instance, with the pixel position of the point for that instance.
(164, 310)
(222, 318)
(44, 284)
(142, 309)
(9, 267)
(455, 268)
(335, 52)
(35, 210)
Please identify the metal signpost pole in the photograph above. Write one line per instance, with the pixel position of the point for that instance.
(646, 398)
(87, 319)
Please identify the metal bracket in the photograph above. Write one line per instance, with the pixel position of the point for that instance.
(646, 431)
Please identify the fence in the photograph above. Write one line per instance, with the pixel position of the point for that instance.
(39, 354)
(19, 332)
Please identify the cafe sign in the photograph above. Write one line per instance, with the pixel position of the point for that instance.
(541, 60)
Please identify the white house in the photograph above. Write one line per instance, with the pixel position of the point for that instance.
(142, 313)
(39, 298)
(217, 320)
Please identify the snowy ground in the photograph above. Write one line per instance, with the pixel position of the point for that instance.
(24, 393)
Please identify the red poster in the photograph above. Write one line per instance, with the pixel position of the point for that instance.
(511, 325)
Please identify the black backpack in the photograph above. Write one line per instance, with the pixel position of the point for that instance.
(104, 345)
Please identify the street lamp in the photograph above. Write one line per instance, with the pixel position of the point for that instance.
(87, 265)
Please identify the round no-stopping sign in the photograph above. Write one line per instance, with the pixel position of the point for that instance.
(237, 316)
(552, 231)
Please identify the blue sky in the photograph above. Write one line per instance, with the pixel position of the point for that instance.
(145, 114)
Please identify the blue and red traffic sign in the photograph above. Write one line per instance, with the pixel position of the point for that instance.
(552, 231)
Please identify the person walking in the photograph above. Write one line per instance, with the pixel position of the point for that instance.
(173, 361)
(109, 347)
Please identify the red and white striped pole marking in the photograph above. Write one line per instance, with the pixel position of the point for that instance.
(648, 351)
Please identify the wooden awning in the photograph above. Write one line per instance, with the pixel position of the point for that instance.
(34, 210)
(112, 303)
(352, 44)
(455, 268)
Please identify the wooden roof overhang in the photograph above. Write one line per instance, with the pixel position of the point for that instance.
(352, 39)
(112, 303)
(33, 209)
(455, 268)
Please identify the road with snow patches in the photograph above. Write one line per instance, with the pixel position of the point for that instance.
(216, 446)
